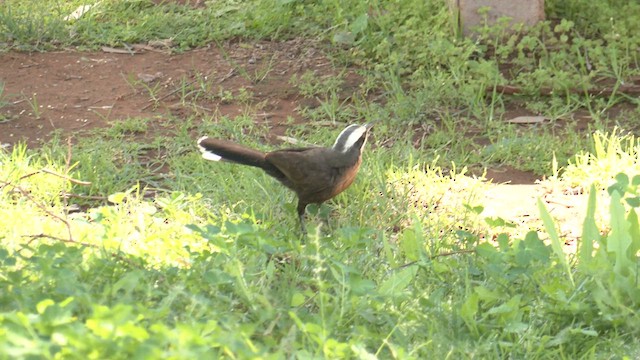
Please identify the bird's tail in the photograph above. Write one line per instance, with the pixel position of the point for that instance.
(217, 150)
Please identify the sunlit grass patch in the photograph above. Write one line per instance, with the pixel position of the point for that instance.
(36, 206)
(610, 154)
(165, 255)
(429, 192)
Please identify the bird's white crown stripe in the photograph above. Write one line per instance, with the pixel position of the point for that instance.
(354, 133)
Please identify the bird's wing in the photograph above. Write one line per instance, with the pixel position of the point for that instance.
(302, 165)
(315, 174)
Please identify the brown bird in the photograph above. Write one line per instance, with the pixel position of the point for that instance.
(315, 174)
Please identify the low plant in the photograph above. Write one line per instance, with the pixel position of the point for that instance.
(311, 85)
(606, 262)
(530, 288)
(610, 152)
(36, 109)
(3, 102)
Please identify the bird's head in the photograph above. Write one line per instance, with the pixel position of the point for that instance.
(352, 138)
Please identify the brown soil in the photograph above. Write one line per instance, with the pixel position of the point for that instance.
(70, 92)
(76, 91)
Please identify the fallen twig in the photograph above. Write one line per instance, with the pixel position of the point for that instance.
(451, 253)
(71, 241)
(46, 171)
(43, 207)
(84, 197)
(71, 180)
(546, 91)
(229, 74)
(26, 194)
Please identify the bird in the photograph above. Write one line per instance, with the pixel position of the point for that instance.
(315, 174)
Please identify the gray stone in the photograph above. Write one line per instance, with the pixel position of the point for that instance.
(528, 12)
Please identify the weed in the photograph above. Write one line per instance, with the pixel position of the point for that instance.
(610, 153)
(178, 256)
(127, 127)
(36, 109)
(203, 87)
(259, 73)
(153, 90)
(529, 150)
(310, 85)
(262, 70)
(3, 103)
(331, 108)
(3, 97)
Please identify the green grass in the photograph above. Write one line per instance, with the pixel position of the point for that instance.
(169, 256)
(574, 55)
(3, 103)
(402, 271)
(608, 155)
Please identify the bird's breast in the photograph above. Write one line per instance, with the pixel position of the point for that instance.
(345, 177)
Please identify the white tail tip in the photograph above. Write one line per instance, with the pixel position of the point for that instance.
(206, 154)
(211, 156)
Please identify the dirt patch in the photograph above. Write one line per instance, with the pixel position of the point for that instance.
(71, 92)
(508, 175)
(518, 204)
(74, 91)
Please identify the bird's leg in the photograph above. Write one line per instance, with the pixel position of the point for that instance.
(325, 211)
(327, 222)
(301, 209)
(302, 227)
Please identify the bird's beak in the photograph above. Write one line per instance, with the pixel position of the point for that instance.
(368, 126)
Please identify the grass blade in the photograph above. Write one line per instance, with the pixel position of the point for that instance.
(556, 244)
(590, 232)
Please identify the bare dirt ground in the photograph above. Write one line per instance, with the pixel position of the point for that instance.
(79, 91)
(70, 92)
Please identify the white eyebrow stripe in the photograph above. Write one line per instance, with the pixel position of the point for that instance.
(353, 138)
(344, 145)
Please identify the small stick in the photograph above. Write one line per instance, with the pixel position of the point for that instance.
(436, 256)
(545, 91)
(71, 180)
(71, 241)
(42, 207)
(84, 197)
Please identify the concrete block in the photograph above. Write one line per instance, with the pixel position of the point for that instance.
(528, 12)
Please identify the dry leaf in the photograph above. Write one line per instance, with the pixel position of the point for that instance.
(78, 12)
(147, 78)
(527, 120)
(164, 43)
(288, 139)
(108, 49)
